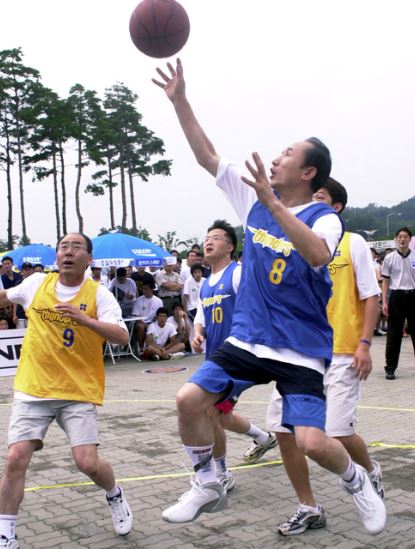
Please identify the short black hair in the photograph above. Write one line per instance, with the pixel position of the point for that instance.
(336, 191)
(88, 241)
(229, 230)
(6, 258)
(121, 271)
(196, 267)
(318, 156)
(162, 311)
(405, 230)
(150, 283)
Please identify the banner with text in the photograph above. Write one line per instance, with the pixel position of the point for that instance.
(10, 345)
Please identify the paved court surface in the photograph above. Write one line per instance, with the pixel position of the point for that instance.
(139, 438)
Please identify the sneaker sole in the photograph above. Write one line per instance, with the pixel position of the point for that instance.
(314, 526)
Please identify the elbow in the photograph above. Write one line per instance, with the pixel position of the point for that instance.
(319, 260)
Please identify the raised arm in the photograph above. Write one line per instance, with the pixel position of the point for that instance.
(175, 88)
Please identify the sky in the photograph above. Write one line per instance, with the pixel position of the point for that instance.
(260, 75)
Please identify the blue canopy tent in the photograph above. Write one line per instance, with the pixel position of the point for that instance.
(120, 250)
(34, 253)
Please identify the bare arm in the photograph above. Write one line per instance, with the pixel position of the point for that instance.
(198, 337)
(385, 289)
(362, 360)
(4, 300)
(307, 243)
(175, 88)
(111, 332)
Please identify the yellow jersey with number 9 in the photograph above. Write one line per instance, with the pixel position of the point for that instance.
(61, 359)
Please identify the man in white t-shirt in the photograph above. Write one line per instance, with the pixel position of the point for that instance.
(161, 341)
(146, 307)
(63, 378)
(125, 291)
(181, 323)
(191, 290)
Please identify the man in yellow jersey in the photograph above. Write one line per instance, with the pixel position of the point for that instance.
(61, 376)
(352, 312)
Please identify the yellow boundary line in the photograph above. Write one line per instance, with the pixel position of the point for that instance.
(375, 444)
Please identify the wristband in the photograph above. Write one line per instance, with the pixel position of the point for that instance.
(366, 341)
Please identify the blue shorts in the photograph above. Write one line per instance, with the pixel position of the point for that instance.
(231, 370)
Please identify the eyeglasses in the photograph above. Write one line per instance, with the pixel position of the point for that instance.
(214, 238)
(76, 246)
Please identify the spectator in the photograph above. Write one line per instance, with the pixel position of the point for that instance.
(5, 323)
(161, 341)
(181, 323)
(399, 277)
(124, 290)
(38, 268)
(169, 285)
(145, 306)
(97, 276)
(18, 315)
(129, 271)
(9, 277)
(141, 277)
(191, 259)
(191, 290)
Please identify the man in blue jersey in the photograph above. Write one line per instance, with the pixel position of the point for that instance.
(279, 329)
(213, 325)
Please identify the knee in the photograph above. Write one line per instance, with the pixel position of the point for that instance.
(189, 401)
(311, 445)
(87, 465)
(17, 461)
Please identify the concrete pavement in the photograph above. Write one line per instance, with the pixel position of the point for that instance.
(138, 430)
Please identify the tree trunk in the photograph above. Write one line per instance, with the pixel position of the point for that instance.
(111, 193)
(77, 189)
(132, 200)
(56, 194)
(123, 195)
(9, 189)
(63, 189)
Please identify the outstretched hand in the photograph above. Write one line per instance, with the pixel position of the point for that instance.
(261, 183)
(173, 85)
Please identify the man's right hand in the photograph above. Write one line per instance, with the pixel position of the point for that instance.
(174, 85)
(197, 343)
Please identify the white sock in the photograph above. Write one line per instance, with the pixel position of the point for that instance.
(8, 526)
(350, 474)
(202, 454)
(116, 491)
(220, 466)
(258, 434)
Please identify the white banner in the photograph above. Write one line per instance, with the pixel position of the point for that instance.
(10, 345)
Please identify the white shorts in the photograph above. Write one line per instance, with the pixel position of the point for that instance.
(342, 389)
(30, 420)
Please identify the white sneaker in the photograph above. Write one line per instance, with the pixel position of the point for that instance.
(206, 498)
(175, 356)
(376, 478)
(9, 543)
(122, 517)
(367, 500)
(256, 450)
(227, 481)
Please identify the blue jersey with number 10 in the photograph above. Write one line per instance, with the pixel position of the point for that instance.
(218, 303)
(281, 300)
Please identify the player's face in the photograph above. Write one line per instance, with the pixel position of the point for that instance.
(72, 256)
(162, 319)
(217, 244)
(402, 240)
(288, 167)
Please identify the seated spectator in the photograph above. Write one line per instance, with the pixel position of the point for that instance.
(161, 343)
(124, 290)
(191, 290)
(181, 324)
(169, 285)
(145, 306)
(141, 277)
(9, 278)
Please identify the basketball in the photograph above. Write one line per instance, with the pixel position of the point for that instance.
(159, 28)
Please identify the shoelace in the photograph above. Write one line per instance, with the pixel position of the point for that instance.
(117, 508)
(297, 515)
